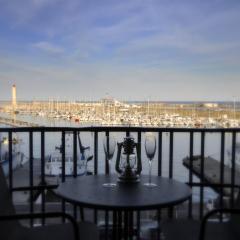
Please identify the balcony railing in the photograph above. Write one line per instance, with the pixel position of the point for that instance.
(165, 165)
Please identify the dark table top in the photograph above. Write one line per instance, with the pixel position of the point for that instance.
(88, 191)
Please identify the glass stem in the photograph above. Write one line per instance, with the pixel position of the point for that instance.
(109, 167)
(150, 171)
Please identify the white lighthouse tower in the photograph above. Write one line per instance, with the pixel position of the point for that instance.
(14, 97)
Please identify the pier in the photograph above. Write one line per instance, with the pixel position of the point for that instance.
(16, 123)
(212, 172)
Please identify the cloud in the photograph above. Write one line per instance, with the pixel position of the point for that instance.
(113, 44)
(48, 47)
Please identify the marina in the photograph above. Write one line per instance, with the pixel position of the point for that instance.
(111, 112)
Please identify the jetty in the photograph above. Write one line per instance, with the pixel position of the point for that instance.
(212, 173)
(16, 123)
(21, 179)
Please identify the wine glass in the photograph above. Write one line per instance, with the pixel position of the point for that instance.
(150, 148)
(109, 144)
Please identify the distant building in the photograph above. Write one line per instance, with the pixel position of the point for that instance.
(107, 100)
(210, 105)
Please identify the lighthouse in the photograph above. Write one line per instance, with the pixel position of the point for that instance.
(14, 97)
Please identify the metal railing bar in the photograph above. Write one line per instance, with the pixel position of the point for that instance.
(34, 188)
(170, 174)
(106, 160)
(191, 144)
(160, 154)
(75, 153)
(118, 129)
(10, 175)
(95, 153)
(159, 212)
(75, 166)
(222, 150)
(95, 168)
(31, 174)
(215, 185)
(62, 148)
(43, 173)
(202, 174)
(233, 161)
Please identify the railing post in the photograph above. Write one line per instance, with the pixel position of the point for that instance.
(10, 175)
(159, 153)
(190, 172)
(31, 173)
(106, 160)
(95, 153)
(62, 147)
(222, 169)
(171, 155)
(95, 214)
(170, 212)
(75, 153)
(202, 173)
(43, 172)
(233, 161)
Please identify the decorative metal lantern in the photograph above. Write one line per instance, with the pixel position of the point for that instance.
(128, 163)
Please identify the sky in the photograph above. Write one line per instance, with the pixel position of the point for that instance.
(178, 50)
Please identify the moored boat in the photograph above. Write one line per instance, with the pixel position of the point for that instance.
(17, 156)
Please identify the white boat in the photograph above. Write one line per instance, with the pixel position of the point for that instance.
(53, 161)
(237, 157)
(17, 157)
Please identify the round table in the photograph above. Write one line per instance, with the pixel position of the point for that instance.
(89, 192)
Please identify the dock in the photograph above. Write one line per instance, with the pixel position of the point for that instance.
(21, 179)
(212, 171)
(16, 123)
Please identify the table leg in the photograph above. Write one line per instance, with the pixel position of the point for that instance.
(95, 216)
(159, 222)
(114, 226)
(126, 225)
(130, 230)
(119, 224)
(106, 224)
(82, 213)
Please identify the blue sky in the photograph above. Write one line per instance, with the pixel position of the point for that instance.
(130, 49)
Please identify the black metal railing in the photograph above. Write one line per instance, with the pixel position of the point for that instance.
(202, 184)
